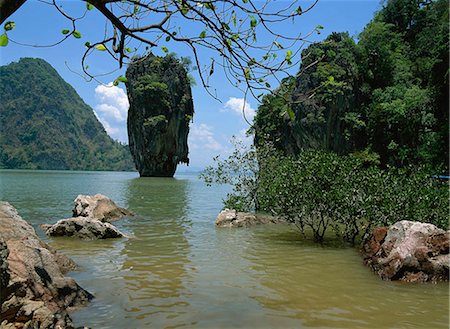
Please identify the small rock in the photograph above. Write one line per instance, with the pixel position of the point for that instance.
(84, 228)
(409, 251)
(98, 206)
(233, 218)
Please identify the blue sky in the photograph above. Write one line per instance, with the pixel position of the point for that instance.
(215, 122)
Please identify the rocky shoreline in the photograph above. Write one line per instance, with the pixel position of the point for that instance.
(35, 293)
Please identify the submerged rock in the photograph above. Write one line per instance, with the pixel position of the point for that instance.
(161, 108)
(233, 218)
(34, 291)
(86, 228)
(98, 206)
(409, 251)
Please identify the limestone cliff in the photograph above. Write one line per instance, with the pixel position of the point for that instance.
(161, 108)
(314, 109)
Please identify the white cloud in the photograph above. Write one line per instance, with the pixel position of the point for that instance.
(202, 137)
(239, 106)
(112, 110)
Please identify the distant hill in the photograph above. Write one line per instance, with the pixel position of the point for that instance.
(44, 124)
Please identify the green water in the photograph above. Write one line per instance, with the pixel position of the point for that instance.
(178, 270)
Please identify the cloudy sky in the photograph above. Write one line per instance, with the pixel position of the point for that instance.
(214, 122)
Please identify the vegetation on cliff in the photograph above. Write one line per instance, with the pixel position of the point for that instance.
(161, 109)
(385, 95)
(44, 124)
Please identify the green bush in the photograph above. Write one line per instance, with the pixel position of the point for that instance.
(320, 190)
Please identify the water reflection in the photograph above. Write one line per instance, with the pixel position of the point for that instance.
(156, 258)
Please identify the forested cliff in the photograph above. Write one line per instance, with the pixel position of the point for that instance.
(384, 98)
(44, 124)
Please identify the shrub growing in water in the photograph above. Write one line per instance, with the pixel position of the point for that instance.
(321, 190)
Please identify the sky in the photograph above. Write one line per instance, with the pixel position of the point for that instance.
(215, 121)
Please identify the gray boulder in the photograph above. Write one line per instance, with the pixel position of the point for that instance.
(409, 251)
(86, 228)
(98, 206)
(35, 293)
(233, 218)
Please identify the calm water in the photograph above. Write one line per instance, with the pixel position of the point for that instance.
(178, 270)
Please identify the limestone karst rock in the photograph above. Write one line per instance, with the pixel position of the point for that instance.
(161, 108)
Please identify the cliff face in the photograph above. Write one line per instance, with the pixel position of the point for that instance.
(161, 108)
(311, 111)
(44, 124)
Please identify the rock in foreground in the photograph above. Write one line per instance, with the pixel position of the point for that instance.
(85, 228)
(409, 251)
(34, 291)
(98, 206)
(233, 218)
(161, 108)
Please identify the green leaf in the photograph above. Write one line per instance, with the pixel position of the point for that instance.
(116, 82)
(9, 26)
(87, 44)
(288, 57)
(245, 1)
(164, 49)
(268, 85)
(247, 73)
(122, 79)
(299, 10)
(184, 9)
(209, 5)
(291, 114)
(136, 9)
(4, 40)
(89, 6)
(100, 47)
(229, 43)
(65, 31)
(253, 22)
(76, 34)
(128, 50)
(202, 35)
(168, 38)
(226, 26)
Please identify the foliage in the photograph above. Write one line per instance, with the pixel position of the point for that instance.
(44, 124)
(386, 95)
(239, 170)
(320, 190)
(228, 28)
